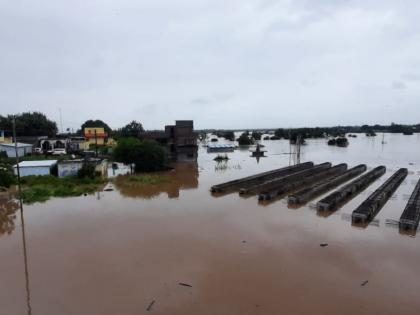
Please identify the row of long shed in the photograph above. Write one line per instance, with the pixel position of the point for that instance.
(306, 181)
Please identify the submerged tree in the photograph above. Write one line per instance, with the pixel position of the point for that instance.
(244, 139)
(146, 155)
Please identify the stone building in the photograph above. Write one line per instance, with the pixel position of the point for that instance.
(180, 140)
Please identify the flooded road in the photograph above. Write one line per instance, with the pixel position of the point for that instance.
(116, 252)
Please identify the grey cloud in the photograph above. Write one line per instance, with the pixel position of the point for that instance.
(398, 85)
(101, 59)
(411, 76)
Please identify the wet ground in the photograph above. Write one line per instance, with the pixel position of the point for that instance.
(116, 252)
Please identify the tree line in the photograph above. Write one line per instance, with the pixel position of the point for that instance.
(37, 124)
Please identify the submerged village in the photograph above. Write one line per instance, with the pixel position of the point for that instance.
(45, 163)
(187, 211)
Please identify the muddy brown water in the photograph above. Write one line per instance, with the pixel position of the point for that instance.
(117, 252)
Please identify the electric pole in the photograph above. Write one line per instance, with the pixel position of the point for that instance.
(17, 154)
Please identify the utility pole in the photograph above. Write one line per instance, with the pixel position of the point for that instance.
(61, 121)
(96, 144)
(25, 256)
(17, 155)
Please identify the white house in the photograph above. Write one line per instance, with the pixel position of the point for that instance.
(28, 168)
(69, 167)
(22, 148)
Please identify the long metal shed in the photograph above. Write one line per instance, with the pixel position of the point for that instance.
(38, 168)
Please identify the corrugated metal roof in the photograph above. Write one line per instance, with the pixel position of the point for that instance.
(45, 163)
(220, 146)
(19, 144)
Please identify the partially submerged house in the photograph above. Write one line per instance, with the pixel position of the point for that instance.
(22, 149)
(180, 140)
(67, 168)
(225, 147)
(37, 168)
(95, 135)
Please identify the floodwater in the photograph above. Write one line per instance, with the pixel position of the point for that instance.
(117, 252)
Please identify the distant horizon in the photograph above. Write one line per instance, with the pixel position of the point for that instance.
(214, 128)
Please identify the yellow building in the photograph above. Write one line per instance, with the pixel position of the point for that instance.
(95, 135)
(4, 139)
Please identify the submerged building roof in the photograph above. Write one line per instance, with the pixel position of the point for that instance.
(220, 146)
(41, 163)
(19, 145)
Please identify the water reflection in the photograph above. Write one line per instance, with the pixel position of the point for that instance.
(25, 260)
(8, 210)
(184, 176)
(224, 166)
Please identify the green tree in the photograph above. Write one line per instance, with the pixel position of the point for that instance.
(7, 178)
(29, 124)
(148, 156)
(95, 124)
(256, 135)
(87, 171)
(244, 139)
(133, 129)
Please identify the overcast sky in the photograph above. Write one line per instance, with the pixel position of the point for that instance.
(223, 63)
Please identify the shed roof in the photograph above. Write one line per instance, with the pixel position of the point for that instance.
(19, 144)
(41, 163)
(220, 146)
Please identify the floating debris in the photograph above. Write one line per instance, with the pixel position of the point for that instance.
(185, 285)
(149, 308)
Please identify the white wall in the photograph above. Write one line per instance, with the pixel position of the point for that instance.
(69, 169)
(10, 151)
(36, 170)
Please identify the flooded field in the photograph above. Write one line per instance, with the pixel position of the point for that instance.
(173, 248)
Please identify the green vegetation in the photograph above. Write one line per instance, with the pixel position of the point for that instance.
(7, 178)
(244, 139)
(221, 157)
(256, 135)
(133, 129)
(340, 131)
(148, 156)
(95, 124)
(29, 124)
(42, 188)
(87, 171)
(102, 149)
(227, 134)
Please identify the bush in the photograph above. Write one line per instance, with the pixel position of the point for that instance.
(256, 135)
(244, 139)
(148, 156)
(42, 188)
(7, 178)
(87, 171)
